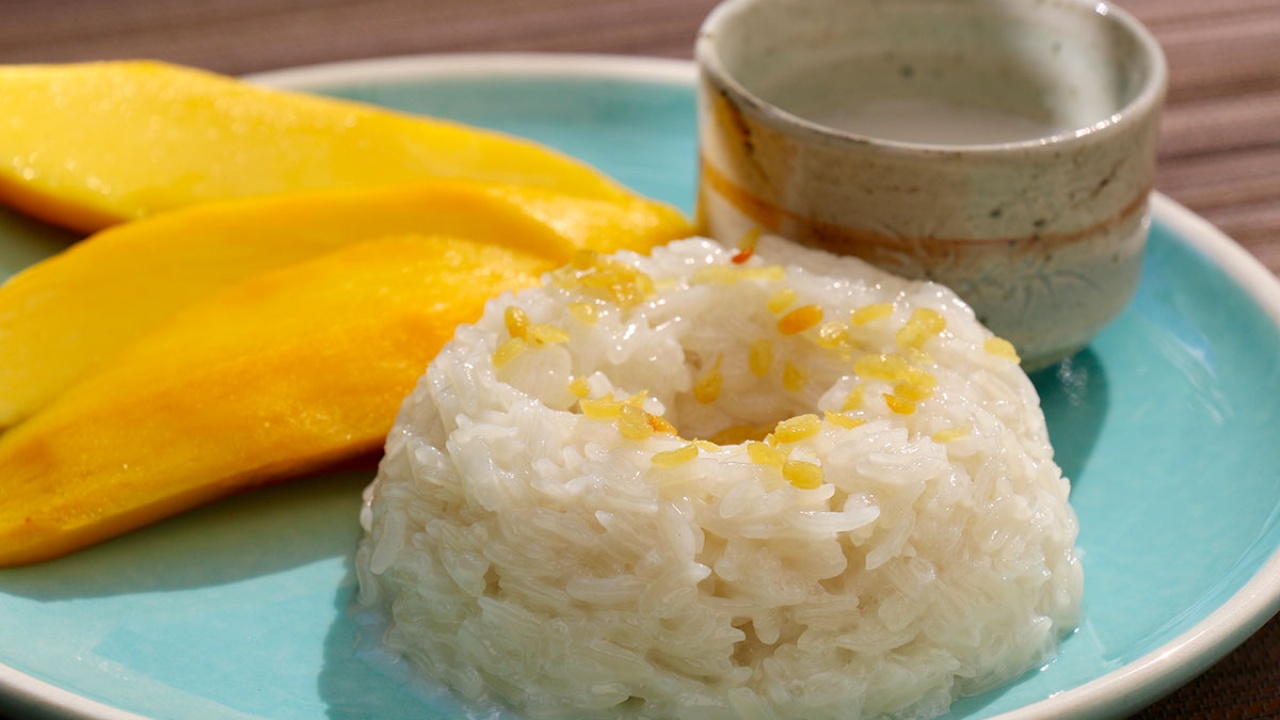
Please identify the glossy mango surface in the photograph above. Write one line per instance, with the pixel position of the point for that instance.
(64, 316)
(88, 145)
(285, 372)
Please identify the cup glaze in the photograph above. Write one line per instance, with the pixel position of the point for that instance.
(1042, 234)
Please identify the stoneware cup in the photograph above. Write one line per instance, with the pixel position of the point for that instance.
(1005, 148)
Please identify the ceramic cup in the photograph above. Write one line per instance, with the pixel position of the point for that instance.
(1005, 148)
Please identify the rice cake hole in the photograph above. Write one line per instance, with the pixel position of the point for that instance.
(745, 393)
(772, 365)
(777, 366)
(759, 382)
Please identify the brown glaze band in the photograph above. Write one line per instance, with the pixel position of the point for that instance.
(873, 245)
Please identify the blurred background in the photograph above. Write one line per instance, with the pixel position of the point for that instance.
(1220, 152)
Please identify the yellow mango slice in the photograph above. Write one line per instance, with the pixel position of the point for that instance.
(92, 144)
(61, 317)
(286, 372)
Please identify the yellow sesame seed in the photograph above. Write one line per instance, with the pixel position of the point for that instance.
(800, 319)
(781, 300)
(952, 434)
(542, 334)
(516, 320)
(794, 377)
(638, 399)
(933, 320)
(923, 324)
(585, 312)
(660, 424)
(899, 405)
(618, 282)
(919, 357)
(508, 351)
(612, 283)
(803, 475)
(853, 401)
(706, 446)
(760, 357)
(763, 454)
(870, 313)
(1001, 348)
(633, 422)
(917, 376)
(832, 335)
(679, 456)
(797, 428)
(579, 387)
(605, 408)
(911, 391)
(879, 366)
(843, 420)
(750, 238)
(707, 388)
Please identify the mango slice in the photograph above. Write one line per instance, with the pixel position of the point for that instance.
(92, 144)
(61, 317)
(286, 372)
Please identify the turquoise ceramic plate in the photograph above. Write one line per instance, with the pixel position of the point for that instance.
(1167, 425)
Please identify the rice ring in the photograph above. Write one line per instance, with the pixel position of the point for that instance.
(702, 485)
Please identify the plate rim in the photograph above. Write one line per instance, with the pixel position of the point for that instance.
(390, 69)
(1125, 689)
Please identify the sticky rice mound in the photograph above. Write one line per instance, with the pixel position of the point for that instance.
(716, 484)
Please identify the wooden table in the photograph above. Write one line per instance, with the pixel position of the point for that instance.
(1220, 147)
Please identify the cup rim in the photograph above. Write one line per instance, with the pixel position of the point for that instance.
(1146, 102)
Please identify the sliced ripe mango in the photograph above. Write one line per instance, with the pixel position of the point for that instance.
(61, 317)
(286, 372)
(92, 144)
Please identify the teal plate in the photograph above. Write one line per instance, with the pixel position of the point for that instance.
(1167, 425)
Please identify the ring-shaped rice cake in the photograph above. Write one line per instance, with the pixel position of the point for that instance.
(705, 484)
